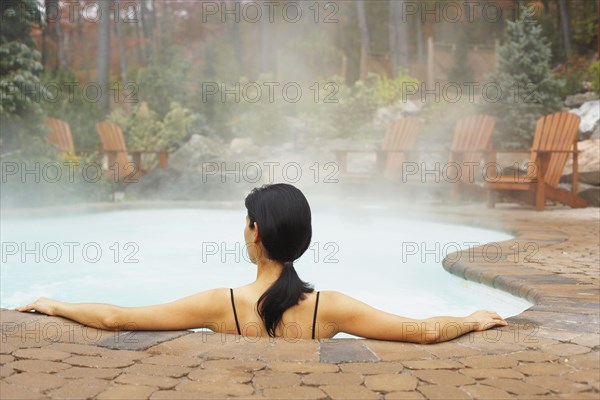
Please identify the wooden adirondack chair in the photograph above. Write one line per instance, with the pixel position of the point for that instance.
(471, 145)
(398, 142)
(119, 163)
(60, 136)
(555, 138)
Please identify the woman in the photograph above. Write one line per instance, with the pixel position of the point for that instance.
(278, 303)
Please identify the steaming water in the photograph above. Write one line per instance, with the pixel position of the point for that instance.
(152, 256)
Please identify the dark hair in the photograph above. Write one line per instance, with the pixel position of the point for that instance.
(284, 227)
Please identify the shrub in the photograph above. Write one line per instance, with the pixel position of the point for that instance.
(528, 90)
(595, 72)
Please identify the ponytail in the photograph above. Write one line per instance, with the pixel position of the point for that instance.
(287, 291)
(283, 217)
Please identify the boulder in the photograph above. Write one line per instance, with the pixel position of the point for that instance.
(383, 115)
(241, 145)
(591, 196)
(590, 116)
(588, 163)
(198, 150)
(596, 133)
(577, 100)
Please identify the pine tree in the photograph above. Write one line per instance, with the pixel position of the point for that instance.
(523, 87)
(20, 90)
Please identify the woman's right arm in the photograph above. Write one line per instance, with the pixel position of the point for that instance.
(357, 318)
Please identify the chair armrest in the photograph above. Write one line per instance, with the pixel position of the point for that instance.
(556, 151)
(149, 151)
(510, 151)
(471, 151)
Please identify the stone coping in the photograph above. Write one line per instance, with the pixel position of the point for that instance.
(550, 350)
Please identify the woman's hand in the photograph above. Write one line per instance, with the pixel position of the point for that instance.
(484, 320)
(43, 305)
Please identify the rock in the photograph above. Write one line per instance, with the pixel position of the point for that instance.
(383, 115)
(592, 196)
(240, 145)
(198, 150)
(590, 116)
(578, 99)
(588, 163)
(596, 134)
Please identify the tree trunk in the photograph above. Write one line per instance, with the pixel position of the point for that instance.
(146, 28)
(79, 24)
(122, 60)
(165, 24)
(48, 33)
(103, 57)
(564, 24)
(138, 34)
(420, 39)
(398, 37)
(363, 27)
(60, 51)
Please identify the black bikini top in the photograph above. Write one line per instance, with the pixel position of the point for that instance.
(237, 323)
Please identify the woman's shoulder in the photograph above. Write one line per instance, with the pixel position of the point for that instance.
(333, 301)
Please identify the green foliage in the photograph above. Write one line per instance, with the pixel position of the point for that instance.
(165, 80)
(66, 101)
(526, 87)
(20, 90)
(328, 108)
(143, 130)
(263, 120)
(595, 72)
(344, 110)
(389, 90)
(575, 72)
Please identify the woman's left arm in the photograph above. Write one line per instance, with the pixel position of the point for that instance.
(201, 310)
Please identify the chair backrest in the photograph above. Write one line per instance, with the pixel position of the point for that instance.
(111, 136)
(113, 143)
(471, 134)
(401, 134)
(60, 135)
(556, 131)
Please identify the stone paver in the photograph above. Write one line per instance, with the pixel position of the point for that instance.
(161, 382)
(443, 377)
(443, 392)
(132, 392)
(551, 350)
(391, 382)
(344, 392)
(267, 379)
(220, 375)
(79, 388)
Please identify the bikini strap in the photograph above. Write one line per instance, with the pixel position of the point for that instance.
(237, 324)
(315, 316)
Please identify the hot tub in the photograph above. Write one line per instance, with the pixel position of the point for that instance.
(143, 257)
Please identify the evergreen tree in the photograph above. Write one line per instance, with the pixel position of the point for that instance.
(524, 87)
(20, 90)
